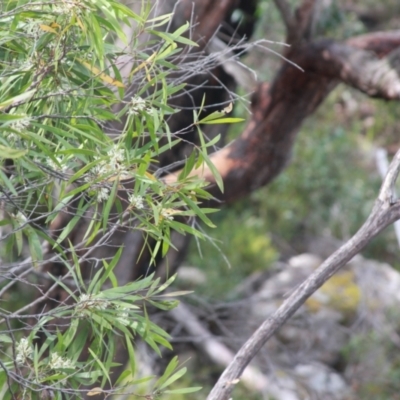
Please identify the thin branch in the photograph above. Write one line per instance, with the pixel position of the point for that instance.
(216, 351)
(387, 194)
(384, 213)
(286, 13)
(361, 69)
(262, 150)
(303, 22)
(383, 167)
(380, 43)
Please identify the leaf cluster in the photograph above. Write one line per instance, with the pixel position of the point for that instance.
(61, 92)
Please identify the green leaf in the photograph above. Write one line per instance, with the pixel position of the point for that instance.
(8, 152)
(100, 364)
(4, 179)
(35, 246)
(71, 224)
(197, 210)
(217, 176)
(222, 121)
(109, 267)
(21, 98)
(19, 240)
(183, 390)
(172, 365)
(189, 165)
(131, 353)
(5, 339)
(109, 204)
(178, 374)
(69, 335)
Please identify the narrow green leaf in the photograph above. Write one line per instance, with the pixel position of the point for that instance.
(197, 210)
(183, 390)
(8, 152)
(35, 246)
(178, 374)
(109, 204)
(5, 339)
(131, 353)
(100, 364)
(222, 121)
(217, 176)
(172, 365)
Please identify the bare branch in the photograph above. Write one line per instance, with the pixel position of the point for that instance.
(263, 149)
(384, 213)
(217, 352)
(358, 68)
(381, 43)
(243, 75)
(382, 163)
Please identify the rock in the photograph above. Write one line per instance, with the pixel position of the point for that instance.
(340, 340)
(305, 260)
(191, 276)
(323, 382)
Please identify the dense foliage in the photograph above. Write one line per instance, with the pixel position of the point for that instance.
(60, 86)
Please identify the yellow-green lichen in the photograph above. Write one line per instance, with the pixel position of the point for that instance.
(341, 293)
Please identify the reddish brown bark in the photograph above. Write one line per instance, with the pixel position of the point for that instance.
(207, 14)
(263, 149)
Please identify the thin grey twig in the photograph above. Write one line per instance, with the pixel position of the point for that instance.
(383, 167)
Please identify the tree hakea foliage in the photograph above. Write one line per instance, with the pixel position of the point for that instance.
(61, 91)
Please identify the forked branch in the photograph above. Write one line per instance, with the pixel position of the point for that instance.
(386, 210)
(369, 63)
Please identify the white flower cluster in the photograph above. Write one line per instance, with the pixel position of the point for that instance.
(67, 7)
(23, 351)
(116, 155)
(106, 168)
(20, 125)
(31, 27)
(102, 194)
(88, 302)
(123, 316)
(136, 201)
(167, 213)
(137, 105)
(114, 164)
(57, 362)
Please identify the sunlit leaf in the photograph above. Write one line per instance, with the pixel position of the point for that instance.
(47, 28)
(95, 391)
(7, 152)
(103, 76)
(222, 121)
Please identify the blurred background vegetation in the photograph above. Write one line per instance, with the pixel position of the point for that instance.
(327, 190)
